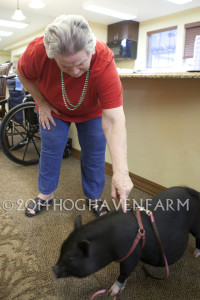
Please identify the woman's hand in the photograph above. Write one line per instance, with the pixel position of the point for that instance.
(121, 187)
(45, 108)
(45, 116)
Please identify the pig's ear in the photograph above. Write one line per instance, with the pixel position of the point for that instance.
(78, 222)
(84, 245)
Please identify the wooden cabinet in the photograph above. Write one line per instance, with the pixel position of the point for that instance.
(123, 30)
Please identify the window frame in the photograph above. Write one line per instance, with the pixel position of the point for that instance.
(149, 33)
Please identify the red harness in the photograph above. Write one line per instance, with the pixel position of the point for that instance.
(140, 235)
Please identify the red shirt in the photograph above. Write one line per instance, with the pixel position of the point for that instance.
(104, 89)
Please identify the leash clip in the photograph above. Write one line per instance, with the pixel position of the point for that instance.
(140, 208)
(148, 212)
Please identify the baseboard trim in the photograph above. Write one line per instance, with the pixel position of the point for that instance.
(76, 153)
(139, 182)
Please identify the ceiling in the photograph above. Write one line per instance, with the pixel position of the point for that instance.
(38, 19)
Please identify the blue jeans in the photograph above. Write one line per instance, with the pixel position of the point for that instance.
(93, 145)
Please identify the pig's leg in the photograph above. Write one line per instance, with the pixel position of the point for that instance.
(126, 268)
(197, 250)
(196, 233)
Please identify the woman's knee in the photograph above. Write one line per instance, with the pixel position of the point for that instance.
(56, 137)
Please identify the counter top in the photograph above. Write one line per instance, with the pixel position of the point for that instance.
(180, 75)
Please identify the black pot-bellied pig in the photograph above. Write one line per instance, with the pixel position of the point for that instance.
(92, 246)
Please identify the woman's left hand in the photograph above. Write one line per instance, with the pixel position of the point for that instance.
(121, 188)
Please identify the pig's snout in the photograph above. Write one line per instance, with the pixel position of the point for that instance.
(57, 271)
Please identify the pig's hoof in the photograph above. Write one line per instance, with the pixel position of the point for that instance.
(196, 252)
(116, 288)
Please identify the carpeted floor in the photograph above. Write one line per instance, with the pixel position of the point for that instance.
(29, 247)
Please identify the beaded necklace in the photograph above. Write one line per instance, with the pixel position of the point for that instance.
(64, 93)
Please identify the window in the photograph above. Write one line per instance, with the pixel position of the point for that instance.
(191, 30)
(162, 47)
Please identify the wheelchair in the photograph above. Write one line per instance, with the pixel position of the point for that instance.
(19, 131)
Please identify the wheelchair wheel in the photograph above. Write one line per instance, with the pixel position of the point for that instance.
(20, 136)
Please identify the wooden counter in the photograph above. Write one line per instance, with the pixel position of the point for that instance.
(184, 75)
(162, 119)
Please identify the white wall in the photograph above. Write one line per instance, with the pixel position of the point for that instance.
(4, 56)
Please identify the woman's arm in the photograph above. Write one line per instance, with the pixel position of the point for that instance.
(113, 123)
(45, 108)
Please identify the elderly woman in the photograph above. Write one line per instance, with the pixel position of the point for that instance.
(73, 78)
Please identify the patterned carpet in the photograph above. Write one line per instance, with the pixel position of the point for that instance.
(29, 247)
(19, 267)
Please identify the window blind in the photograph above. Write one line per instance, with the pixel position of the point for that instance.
(191, 31)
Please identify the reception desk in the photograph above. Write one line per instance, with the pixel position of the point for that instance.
(163, 127)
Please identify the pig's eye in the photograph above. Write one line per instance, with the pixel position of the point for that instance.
(70, 258)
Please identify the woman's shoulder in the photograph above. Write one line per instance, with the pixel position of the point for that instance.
(37, 44)
(101, 59)
(103, 53)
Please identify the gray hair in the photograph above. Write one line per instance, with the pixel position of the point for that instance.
(67, 35)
